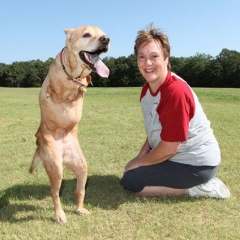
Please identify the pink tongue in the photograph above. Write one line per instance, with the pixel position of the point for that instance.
(101, 69)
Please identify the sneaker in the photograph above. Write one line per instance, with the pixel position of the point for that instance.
(214, 188)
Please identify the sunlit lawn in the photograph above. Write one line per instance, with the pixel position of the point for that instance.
(110, 133)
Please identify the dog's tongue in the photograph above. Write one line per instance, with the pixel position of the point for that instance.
(101, 69)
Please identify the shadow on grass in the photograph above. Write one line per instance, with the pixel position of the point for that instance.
(102, 191)
(19, 194)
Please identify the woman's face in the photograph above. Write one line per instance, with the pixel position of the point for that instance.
(151, 63)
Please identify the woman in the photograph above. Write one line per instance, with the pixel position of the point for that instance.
(180, 155)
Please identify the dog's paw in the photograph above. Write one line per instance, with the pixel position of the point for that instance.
(83, 211)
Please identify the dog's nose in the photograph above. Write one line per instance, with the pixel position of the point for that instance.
(104, 39)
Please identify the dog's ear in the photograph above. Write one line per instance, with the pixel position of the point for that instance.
(68, 32)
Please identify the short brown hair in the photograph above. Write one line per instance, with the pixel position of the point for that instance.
(153, 34)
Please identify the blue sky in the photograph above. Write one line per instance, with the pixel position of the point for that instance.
(34, 29)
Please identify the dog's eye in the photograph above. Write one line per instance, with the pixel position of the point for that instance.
(86, 35)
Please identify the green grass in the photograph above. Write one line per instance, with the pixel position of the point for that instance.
(110, 133)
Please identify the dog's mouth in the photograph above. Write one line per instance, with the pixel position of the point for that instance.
(93, 60)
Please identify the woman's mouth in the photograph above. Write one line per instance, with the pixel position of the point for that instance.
(149, 70)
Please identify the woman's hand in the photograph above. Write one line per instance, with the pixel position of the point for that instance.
(134, 163)
(161, 153)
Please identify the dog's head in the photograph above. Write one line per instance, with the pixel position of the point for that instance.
(85, 44)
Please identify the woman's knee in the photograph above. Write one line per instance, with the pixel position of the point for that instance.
(131, 183)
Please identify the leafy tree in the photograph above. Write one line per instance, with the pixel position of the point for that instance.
(3, 74)
(213, 74)
(193, 71)
(136, 79)
(177, 64)
(230, 62)
(200, 70)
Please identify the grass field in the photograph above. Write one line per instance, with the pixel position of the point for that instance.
(111, 133)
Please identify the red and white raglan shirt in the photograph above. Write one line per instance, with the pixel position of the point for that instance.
(174, 114)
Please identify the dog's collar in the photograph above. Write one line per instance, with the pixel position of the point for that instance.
(75, 80)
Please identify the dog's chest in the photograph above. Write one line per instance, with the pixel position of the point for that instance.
(63, 115)
(71, 113)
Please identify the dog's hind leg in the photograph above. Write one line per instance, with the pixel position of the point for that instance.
(55, 176)
(78, 165)
(56, 181)
(81, 174)
(53, 165)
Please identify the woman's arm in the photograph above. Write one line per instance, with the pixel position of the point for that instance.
(161, 153)
(144, 150)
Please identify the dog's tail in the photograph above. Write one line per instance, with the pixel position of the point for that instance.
(36, 161)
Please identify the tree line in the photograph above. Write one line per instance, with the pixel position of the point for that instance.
(200, 70)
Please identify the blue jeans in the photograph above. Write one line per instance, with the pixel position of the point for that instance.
(168, 174)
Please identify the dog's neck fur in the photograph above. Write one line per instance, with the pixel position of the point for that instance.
(59, 87)
(76, 80)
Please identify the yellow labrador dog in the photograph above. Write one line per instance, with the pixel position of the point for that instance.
(61, 102)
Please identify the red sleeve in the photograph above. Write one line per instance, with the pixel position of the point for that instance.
(175, 110)
(144, 90)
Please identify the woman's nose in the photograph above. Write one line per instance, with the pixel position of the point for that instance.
(148, 61)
